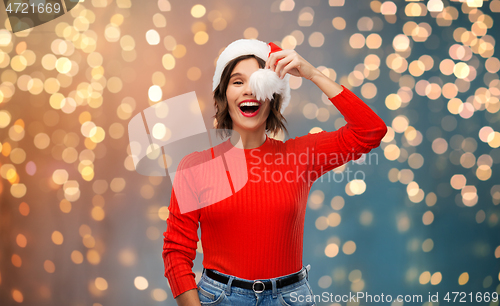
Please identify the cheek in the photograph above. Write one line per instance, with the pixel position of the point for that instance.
(231, 93)
(267, 108)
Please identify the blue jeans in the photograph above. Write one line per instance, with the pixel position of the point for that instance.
(212, 292)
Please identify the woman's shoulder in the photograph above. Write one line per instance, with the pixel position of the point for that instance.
(195, 158)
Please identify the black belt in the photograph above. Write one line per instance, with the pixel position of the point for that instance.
(257, 285)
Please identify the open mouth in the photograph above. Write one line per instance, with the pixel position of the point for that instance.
(249, 108)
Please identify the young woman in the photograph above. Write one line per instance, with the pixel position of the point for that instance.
(252, 240)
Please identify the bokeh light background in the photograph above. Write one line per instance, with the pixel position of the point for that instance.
(80, 227)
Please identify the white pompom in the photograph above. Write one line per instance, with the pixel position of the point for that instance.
(264, 83)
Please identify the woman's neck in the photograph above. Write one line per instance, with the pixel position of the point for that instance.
(249, 139)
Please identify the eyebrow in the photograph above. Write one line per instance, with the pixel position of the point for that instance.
(235, 75)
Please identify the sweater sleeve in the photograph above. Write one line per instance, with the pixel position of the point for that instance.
(180, 238)
(363, 132)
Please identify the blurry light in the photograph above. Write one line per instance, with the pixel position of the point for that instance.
(403, 222)
(436, 278)
(127, 42)
(164, 5)
(21, 240)
(251, 33)
(169, 42)
(63, 65)
(321, 223)
(355, 276)
(316, 199)
(76, 257)
(349, 247)
(5, 118)
(435, 5)
(356, 186)
(373, 41)
(391, 152)
(18, 190)
(168, 61)
(334, 219)
(316, 39)
(141, 283)
(310, 110)
(290, 42)
(427, 245)
(331, 250)
(357, 41)
(159, 20)
(97, 212)
(401, 42)
(497, 252)
(388, 8)
(458, 181)
(439, 145)
(339, 23)
(424, 278)
(159, 295)
(198, 11)
(152, 37)
(57, 237)
(155, 93)
(428, 217)
(201, 38)
(117, 184)
(112, 33)
(101, 283)
(93, 257)
(16, 294)
(287, 5)
(24, 209)
(325, 281)
(5, 37)
(49, 266)
(463, 278)
(219, 24)
(461, 70)
(127, 257)
(306, 17)
(194, 73)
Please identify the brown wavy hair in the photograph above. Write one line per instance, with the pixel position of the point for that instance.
(275, 121)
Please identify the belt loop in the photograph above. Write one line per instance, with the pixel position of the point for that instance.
(228, 287)
(275, 289)
(308, 267)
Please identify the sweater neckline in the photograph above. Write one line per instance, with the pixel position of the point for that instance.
(261, 147)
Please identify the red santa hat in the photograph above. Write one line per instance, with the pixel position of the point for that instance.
(263, 82)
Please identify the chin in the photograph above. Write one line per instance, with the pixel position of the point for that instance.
(248, 127)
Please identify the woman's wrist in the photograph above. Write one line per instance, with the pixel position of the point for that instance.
(327, 85)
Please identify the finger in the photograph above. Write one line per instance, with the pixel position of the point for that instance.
(276, 58)
(290, 66)
(282, 63)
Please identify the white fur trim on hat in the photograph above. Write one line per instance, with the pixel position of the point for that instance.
(265, 82)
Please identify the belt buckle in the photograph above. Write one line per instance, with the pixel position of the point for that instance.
(263, 287)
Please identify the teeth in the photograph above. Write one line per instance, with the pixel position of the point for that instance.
(249, 104)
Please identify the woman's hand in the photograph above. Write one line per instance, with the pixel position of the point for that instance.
(289, 61)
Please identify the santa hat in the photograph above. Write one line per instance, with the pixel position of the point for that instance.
(263, 82)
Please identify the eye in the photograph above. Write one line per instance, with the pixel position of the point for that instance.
(238, 82)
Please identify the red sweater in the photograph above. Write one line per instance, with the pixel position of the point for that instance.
(257, 231)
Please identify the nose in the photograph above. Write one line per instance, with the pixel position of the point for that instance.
(247, 91)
